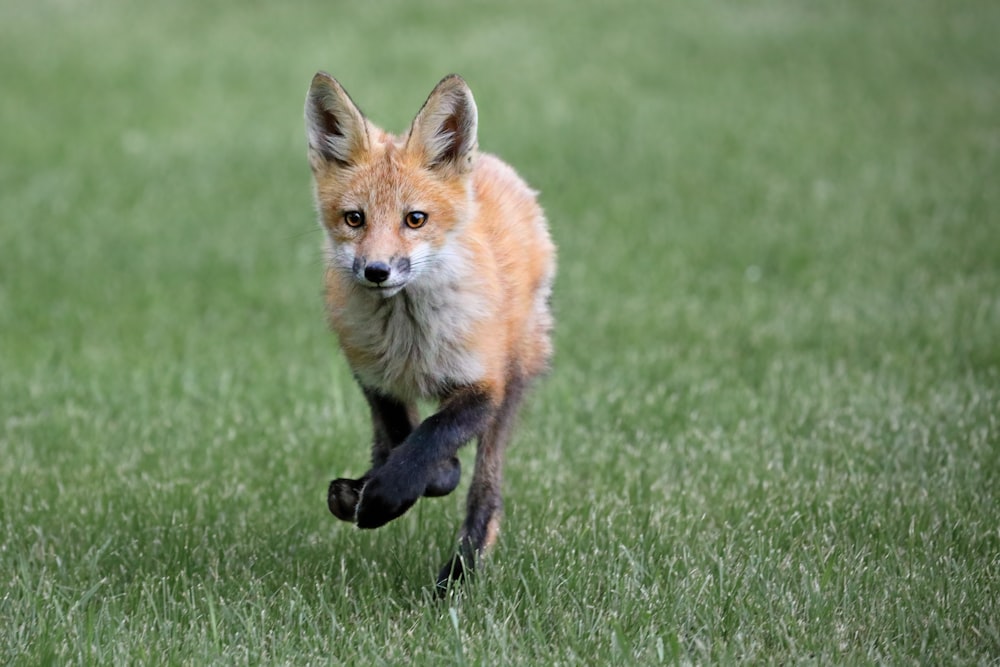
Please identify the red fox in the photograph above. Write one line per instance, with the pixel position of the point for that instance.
(438, 280)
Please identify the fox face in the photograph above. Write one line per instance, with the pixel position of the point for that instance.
(390, 206)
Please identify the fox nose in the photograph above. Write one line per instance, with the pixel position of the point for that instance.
(377, 272)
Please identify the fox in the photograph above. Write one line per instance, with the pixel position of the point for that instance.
(439, 268)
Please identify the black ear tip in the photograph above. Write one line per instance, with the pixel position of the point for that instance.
(323, 80)
(453, 82)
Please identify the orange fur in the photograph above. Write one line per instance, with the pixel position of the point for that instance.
(439, 272)
(485, 215)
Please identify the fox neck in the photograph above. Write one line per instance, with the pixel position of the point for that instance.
(416, 343)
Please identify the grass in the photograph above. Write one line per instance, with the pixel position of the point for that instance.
(771, 431)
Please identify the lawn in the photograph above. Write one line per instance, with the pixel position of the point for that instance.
(771, 430)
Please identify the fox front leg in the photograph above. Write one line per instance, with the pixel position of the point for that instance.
(392, 422)
(425, 463)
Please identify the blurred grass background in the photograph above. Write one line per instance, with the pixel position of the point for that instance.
(771, 430)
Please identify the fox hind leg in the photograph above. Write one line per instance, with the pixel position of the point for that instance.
(485, 502)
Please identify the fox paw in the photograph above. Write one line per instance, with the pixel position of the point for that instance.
(385, 497)
(460, 567)
(444, 478)
(343, 497)
(453, 572)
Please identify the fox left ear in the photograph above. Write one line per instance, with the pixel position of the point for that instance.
(335, 128)
(445, 127)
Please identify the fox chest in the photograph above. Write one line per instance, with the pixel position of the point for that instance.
(411, 345)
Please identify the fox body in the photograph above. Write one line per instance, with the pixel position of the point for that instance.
(439, 271)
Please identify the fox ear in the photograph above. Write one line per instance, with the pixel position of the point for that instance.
(445, 127)
(335, 128)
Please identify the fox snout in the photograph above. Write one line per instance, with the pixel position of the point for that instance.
(380, 273)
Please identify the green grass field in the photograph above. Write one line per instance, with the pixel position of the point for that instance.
(771, 431)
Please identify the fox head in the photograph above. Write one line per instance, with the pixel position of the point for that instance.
(390, 205)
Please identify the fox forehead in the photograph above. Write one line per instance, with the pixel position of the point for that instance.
(387, 176)
(379, 176)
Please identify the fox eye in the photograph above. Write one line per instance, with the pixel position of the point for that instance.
(416, 219)
(354, 218)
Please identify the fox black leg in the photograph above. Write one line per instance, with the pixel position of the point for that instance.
(485, 502)
(392, 421)
(425, 462)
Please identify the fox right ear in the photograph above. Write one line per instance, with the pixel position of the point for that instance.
(444, 130)
(335, 128)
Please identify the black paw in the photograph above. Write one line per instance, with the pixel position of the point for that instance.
(386, 496)
(453, 572)
(444, 478)
(343, 496)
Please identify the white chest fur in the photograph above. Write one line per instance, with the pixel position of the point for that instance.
(416, 343)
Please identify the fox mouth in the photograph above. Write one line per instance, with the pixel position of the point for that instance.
(384, 290)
